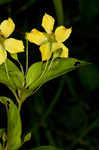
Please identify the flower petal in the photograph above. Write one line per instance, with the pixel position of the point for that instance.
(7, 27)
(62, 33)
(57, 45)
(36, 37)
(3, 55)
(64, 53)
(13, 46)
(48, 23)
(45, 51)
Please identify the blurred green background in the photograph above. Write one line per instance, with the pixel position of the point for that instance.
(65, 111)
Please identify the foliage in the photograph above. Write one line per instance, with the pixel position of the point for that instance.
(61, 114)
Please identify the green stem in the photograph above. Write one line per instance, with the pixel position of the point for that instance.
(84, 133)
(17, 99)
(21, 67)
(45, 70)
(14, 93)
(50, 65)
(20, 105)
(59, 11)
(26, 56)
(50, 137)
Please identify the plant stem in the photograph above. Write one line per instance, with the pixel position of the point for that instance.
(59, 11)
(17, 99)
(19, 105)
(26, 56)
(50, 137)
(14, 93)
(21, 67)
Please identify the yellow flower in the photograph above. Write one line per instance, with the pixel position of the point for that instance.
(10, 44)
(50, 42)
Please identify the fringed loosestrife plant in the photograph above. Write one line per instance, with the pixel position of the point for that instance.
(23, 85)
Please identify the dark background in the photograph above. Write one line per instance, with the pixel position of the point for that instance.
(75, 96)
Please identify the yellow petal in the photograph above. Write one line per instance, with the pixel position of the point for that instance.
(3, 55)
(64, 53)
(62, 33)
(45, 51)
(48, 23)
(13, 46)
(57, 45)
(7, 27)
(36, 37)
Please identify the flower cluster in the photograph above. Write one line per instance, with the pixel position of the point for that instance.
(49, 42)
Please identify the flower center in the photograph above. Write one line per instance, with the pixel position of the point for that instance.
(51, 37)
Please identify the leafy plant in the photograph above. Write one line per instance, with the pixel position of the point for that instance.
(55, 62)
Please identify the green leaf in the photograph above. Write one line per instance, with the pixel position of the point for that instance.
(27, 137)
(46, 148)
(33, 73)
(14, 56)
(14, 124)
(16, 78)
(58, 68)
(36, 76)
